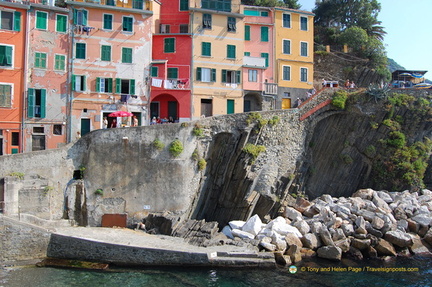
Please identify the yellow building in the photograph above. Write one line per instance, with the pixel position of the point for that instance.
(294, 55)
(217, 57)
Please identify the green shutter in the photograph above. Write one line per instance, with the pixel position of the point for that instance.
(238, 74)
(198, 74)
(61, 23)
(213, 75)
(43, 104)
(83, 82)
(184, 5)
(264, 34)
(30, 103)
(75, 16)
(231, 51)
(85, 16)
(41, 20)
(98, 84)
(224, 76)
(108, 85)
(169, 44)
(73, 83)
(8, 52)
(132, 87)
(266, 57)
(118, 86)
(247, 32)
(154, 71)
(17, 21)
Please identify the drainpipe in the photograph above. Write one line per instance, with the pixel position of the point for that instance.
(25, 87)
(192, 67)
(69, 98)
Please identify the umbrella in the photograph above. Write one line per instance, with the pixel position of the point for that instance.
(422, 86)
(120, 114)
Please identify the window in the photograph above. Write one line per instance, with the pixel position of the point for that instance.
(6, 56)
(169, 45)
(57, 130)
(36, 103)
(231, 25)
(207, 21)
(40, 60)
(60, 62)
(127, 55)
(127, 24)
(41, 20)
(38, 130)
(184, 5)
(303, 49)
(104, 85)
(252, 75)
(206, 75)
(231, 51)
(125, 86)
(264, 34)
(61, 23)
(303, 23)
(286, 48)
(80, 51)
(164, 28)
(220, 5)
(15, 138)
(154, 71)
(264, 13)
(138, 4)
(10, 20)
(286, 73)
(184, 28)
(5, 96)
(247, 54)
(286, 20)
(232, 77)
(110, 2)
(107, 21)
(247, 33)
(105, 53)
(266, 57)
(206, 49)
(78, 83)
(303, 74)
(80, 17)
(172, 73)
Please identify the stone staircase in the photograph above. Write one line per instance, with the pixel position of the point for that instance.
(242, 259)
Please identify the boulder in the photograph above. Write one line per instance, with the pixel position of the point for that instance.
(364, 193)
(343, 244)
(282, 259)
(315, 227)
(423, 219)
(348, 229)
(326, 198)
(294, 253)
(302, 226)
(307, 253)
(399, 238)
(399, 213)
(284, 229)
(357, 203)
(360, 244)
(292, 214)
(236, 224)
(371, 252)
(377, 223)
(385, 248)
(253, 225)
(242, 234)
(355, 253)
(385, 196)
(311, 241)
(310, 211)
(330, 252)
(302, 204)
(281, 245)
(418, 247)
(227, 231)
(413, 226)
(292, 239)
(325, 236)
(373, 231)
(337, 234)
(402, 224)
(423, 230)
(361, 225)
(428, 236)
(268, 246)
(380, 203)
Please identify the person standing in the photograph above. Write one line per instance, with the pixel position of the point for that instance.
(105, 123)
(134, 121)
(113, 123)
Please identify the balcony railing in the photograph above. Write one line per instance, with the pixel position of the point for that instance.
(270, 89)
(134, 4)
(171, 84)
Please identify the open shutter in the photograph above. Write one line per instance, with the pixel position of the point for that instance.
(43, 104)
(30, 103)
(98, 84)
(73, 83)
(8, 55)
(84, 17)
(17, 21)
(224, 76)
(198, 74)
(213, 75)
(118, 86)
(132, 87)
(108, 85)
(247, 32)
(238, 77)
(75, 16)
(83, 83)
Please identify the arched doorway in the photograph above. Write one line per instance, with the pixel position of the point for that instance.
(252, 101)
(164, 106)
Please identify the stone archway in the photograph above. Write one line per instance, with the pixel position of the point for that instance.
(165, 106)
(252, 101)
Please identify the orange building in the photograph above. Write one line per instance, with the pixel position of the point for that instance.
(12, 66)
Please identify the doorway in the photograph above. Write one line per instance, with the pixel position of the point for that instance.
(38, 142)
(206, 107)
(154, 110)
(172, 109)
(85, 126)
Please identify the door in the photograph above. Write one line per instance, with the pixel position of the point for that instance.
(172, 109)
(1, 146)
(154, 110)
(38, 142)
(247, 106)
(206, 107)
(230, 106)
(85, 126)
(286, 104)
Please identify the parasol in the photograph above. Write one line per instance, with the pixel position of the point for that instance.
(120, 114)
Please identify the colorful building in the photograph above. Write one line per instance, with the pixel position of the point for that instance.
(13, 22)
(293, 55)
(46, 85)
(111, 58)
(259, 83)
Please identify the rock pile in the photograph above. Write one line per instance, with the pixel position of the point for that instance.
(368, 224)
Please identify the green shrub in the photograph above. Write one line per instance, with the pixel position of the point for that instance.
(252, 117)
(158, 144)
(253, 151)
(184, 125)
(176, 148)
(396, 139)
(401, 99)
(274, 121)
(202, 164)
(393, 125)
(198, 131)
(370, 151)
(374, 125)
(346, 158)
(99, 191)
(195, 154)
(339, 99)
(17, 174)
(262, 123)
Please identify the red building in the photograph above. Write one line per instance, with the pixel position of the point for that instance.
(171, 70)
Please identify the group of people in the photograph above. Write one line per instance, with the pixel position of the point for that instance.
(114, 123)
(349, 84)
(158, 120)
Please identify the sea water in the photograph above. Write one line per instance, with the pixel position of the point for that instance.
(406, 272)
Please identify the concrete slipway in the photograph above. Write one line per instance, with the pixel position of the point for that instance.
(136, 248)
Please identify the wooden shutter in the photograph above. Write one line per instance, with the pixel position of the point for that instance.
(118, 86)
(17, 21)
(213, 75)
(132, 87)
(30, 103)
(198, 74)
(43, 104)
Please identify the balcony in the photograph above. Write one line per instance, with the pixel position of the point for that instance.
(134, 4)
(270, 89)
(254, 62)
(171, 84)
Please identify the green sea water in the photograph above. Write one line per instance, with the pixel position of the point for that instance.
(404, 272)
